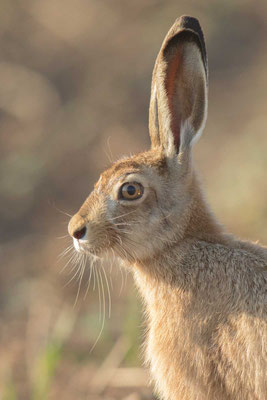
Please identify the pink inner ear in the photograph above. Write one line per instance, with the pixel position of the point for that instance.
(172, 77)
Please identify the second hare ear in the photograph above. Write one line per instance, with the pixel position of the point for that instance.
(178, 105)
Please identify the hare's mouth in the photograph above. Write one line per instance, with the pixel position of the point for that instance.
(83, 247)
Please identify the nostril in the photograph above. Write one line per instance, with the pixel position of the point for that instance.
(80, 233)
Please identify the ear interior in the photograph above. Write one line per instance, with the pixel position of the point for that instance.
(180, 89)
(174, 87)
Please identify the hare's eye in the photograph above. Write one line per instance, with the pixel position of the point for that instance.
(131, 191)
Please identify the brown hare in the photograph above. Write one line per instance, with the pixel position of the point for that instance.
(205, 291)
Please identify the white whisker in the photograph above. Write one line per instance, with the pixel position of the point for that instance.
(108, 290)
(89, 279)
(103, 294)
(94, 285)
(78, 270)
(75, 262)
(99, 295)
(62, 237)
(64, 252)
(62, 212)
(83, 265)
(122, 215)
(103, 318)
(72, 258)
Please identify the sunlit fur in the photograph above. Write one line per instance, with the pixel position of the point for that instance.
(204, 291)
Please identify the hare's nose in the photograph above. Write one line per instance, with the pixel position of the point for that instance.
(79, 234)
(77, 227)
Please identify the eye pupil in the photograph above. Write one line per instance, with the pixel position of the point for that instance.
(131, 190)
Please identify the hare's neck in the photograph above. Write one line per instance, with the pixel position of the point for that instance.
(164, 272)
(201, 223)
(163, 299)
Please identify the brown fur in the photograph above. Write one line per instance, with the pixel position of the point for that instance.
(205, 292)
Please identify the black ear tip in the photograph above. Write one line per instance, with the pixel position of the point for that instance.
(190, 23)
(187, 23)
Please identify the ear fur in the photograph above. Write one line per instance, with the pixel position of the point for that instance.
(178, 104)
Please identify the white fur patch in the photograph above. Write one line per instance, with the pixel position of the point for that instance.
(188, 136)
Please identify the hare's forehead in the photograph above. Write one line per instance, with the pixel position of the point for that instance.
(151, 164)
(121, 170)
(111, 177)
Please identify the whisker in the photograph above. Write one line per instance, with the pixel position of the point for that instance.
(99, 296)
(94, 285)
(126, 232)
(83, 265)
(80, 268)
(103, 319)
(72, 258)
(125, 223)
(64, 252)
(111, 283)
(103, 294)
(61, 211)
(108, 290)
(110, 155)
(77, 272)
(122, 215)
(63, 237)
(127, 254)
(126, 274)
(122, 281)
(89, 279)
(75, 262)
(132, 223)
(113, 260)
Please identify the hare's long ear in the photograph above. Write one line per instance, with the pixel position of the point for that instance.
(178, 105)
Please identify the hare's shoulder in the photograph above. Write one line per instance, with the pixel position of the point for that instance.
(236, 266)
(252, 248)
(226, 279)
(230, 252)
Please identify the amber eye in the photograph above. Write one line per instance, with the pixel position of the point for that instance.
(131, 191)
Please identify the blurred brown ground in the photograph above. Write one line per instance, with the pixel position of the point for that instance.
(74, 92)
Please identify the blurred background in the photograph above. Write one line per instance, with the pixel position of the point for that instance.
(74, 92)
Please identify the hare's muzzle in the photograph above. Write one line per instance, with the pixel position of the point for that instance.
(77, 227)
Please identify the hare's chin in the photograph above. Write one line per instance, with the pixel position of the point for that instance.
(82, 246)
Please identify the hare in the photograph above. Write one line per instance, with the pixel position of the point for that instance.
(204, 291)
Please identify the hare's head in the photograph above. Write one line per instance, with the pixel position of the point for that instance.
(141, 203)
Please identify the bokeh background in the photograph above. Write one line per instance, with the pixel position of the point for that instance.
(74, 91)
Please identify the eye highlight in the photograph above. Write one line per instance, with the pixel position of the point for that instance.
(131, 191)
